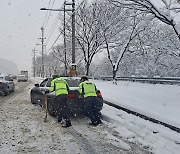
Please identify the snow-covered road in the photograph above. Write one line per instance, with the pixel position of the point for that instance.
(24, 131)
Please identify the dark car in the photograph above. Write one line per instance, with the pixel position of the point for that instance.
(6, 85)
(75, 101)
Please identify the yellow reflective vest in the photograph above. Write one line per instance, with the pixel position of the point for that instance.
(60, 86)
(87, 89)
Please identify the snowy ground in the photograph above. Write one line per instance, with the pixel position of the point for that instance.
(23, 131)
(155, 100)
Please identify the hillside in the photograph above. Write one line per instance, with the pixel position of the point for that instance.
(8, 67)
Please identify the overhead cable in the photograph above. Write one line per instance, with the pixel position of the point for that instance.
(65, 24)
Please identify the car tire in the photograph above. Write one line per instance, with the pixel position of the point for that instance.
(6, 93)
(32, 100)
(13, 89)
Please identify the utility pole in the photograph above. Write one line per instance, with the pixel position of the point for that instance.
(73, 65)
(34, 62)
(42, 43)
(73, 32)
(65, 59)
(73, 69)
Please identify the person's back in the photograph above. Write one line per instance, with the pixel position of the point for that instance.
(61, 89)
(60, 86)
(88, 90)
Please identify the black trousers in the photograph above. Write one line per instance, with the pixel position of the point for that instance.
(90, 105)
(61, 106)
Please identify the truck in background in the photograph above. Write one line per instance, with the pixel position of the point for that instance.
(23, 76)
(25, 73)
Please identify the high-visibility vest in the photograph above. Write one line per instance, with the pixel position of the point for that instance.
(87, 89)
(60, 86)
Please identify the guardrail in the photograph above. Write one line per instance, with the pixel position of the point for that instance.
(153, 80)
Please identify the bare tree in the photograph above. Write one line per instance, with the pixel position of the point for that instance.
(163, 14)
(88, 37)
(156, 53)
(129, 30)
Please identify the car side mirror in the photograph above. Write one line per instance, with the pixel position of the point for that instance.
(36, 85)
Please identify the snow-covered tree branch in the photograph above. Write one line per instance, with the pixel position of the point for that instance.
(163, 10)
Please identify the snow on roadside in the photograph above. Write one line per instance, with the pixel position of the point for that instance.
(155, 100)
(154, 137)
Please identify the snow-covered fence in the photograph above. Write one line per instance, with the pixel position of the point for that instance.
(154, 80)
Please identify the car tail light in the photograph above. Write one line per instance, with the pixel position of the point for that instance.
(71, 95)
(99, 94)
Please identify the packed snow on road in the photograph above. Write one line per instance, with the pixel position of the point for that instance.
(23, 130)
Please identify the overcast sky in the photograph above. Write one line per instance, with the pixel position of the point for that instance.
(20, 28)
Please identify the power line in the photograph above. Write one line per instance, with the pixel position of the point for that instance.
(51, 31)
(46, 17)
(65, 24)
(49, 34)
(54, 42)
(49, 14)
(46, 13)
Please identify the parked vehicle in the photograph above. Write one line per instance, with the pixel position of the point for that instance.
(6, 85)
(21, 77)
(75, 103)
(25, 73)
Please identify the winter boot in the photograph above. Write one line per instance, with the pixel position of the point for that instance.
(67, 124)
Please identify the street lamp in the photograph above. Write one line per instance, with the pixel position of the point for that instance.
(45, 9)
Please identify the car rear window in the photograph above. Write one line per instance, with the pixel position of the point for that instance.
(72, 82)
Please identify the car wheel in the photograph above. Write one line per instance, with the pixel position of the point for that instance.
(6, 93)
(32, 100)
(13, 89)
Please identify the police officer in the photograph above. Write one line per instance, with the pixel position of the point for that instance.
(88, 91)
(61, 89)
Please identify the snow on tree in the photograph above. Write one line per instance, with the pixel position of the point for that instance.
(87, 32)
(131, 25)
(164, 10)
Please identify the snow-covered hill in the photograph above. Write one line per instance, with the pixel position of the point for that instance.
(8, 67)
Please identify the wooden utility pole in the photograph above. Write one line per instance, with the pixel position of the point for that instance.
(42, 43)
(73, 32)
(65, 59)
(34, 62)
(73, 65)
